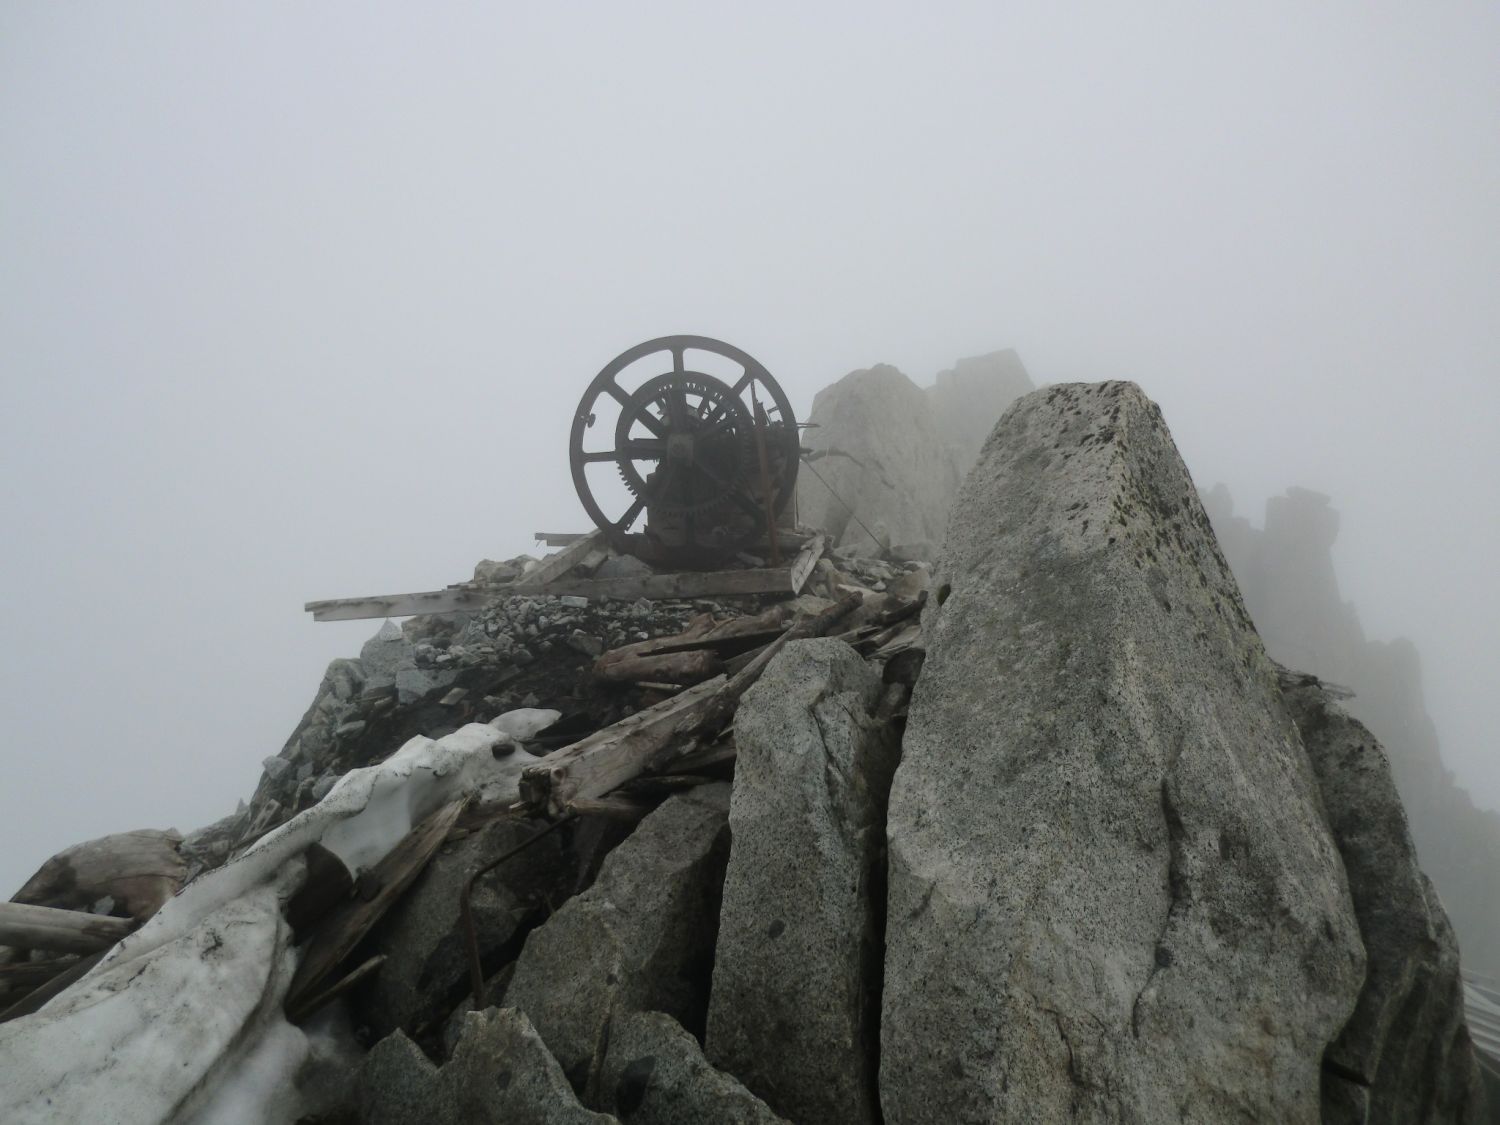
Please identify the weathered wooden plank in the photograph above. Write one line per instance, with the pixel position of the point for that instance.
(653, 738)
(608, 758)
(38, 996)
(65, 931)
(690, 584)
(560, 538)
(341, 932)
(313, 1003)
(452, 600)
(806, 561)
(665, 667)
(556, 566)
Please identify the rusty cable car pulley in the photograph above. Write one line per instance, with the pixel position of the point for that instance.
(709, 463)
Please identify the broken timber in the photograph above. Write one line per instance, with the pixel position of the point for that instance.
(64, 931)
(551, 576)
(653, 738)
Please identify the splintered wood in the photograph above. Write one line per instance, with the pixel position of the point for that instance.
(652, 738)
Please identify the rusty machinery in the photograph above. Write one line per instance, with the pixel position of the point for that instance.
(709, 461)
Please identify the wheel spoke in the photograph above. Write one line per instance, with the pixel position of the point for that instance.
(635, 509)
(639, 450)
(643, 415)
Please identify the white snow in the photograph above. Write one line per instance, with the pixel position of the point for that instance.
(182, 1020)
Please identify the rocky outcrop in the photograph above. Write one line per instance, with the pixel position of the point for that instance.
(1405, 1054)
(129, 873)
(641, 938)
(500, 1074)
(882, 461)
(1291, 590)
(655, 1074)
(891, 456)
(969, 399)
(1113, 893)
(794, 1007)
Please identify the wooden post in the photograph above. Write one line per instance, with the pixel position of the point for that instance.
(66, 931)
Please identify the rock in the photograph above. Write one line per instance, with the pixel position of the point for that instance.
(400, 1086)
(574, 601)
(500, 1074)
(383, 654)
(1286, 570)
(804, 891)
(426, 971)
(642, 937)
(503, 1074)
(969, 399)
(137, 870)
(1405, 1054)
(623, 566)
(655, 1074)
(275, 767)
(582, 642)
(1112, 891)
(879, 449)
(923, 551)
(494, 573)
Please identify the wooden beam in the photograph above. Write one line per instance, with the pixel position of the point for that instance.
(337, 936)
(559, 538)
(556, 565)
(806, 561)
(451, 600)
(38, 996)
(65, 931)
(608, 758)
(652, 739)
(689, 584)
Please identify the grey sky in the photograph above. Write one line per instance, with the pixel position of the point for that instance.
(295, 302)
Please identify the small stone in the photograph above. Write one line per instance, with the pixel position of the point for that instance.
(584, 643)
(574, 601)
(275, 767)
(454, 696)
(353, 726)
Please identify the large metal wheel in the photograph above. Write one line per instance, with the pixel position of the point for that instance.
(686, 446)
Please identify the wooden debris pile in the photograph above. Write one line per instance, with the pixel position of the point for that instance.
(674, 693)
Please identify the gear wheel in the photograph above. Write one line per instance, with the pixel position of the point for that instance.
(706, 454)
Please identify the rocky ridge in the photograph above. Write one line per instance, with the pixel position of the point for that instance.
(1038, 832)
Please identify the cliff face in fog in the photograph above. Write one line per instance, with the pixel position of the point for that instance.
(1286, 574)
(888, 456)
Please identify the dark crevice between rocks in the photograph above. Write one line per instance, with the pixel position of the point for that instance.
(1177, 894)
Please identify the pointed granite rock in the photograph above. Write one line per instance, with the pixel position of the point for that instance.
(641, 938)
(795, 1006)
(655, 1074)
(1113, 895)
(1405, 1054)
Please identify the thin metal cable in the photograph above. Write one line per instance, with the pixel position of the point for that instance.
(845, 503)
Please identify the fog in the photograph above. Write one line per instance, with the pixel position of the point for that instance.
(296, 302)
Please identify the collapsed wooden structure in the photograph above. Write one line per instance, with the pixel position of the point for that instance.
(691, 684)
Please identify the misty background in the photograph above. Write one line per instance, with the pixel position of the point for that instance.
(296, 302)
